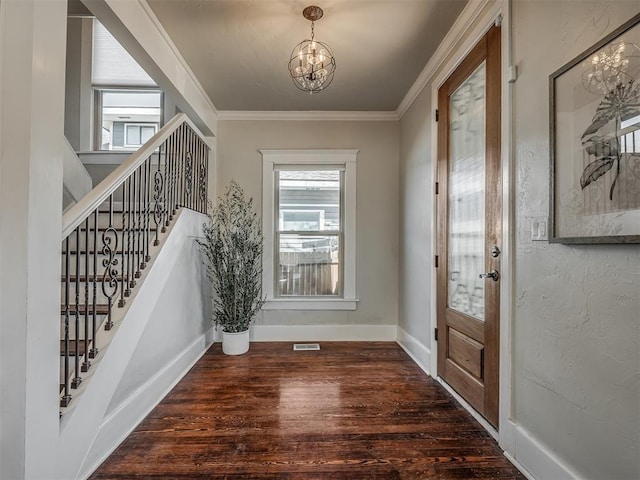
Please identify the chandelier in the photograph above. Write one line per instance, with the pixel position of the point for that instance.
(312, 64)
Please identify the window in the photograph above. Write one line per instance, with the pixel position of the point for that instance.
(309, 229)
(127, 102)
(127, 118)
(138, 134)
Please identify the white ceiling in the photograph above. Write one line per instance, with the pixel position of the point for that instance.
(239, 49)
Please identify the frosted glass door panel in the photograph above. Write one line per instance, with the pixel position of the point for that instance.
(467, 195)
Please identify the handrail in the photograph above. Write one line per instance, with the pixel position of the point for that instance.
(76, 214)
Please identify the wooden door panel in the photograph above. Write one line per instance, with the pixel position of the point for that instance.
(469, 387)
(470, 326)
(466, 353)
(467, 229)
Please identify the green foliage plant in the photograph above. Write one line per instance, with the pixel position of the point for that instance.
(232, 248)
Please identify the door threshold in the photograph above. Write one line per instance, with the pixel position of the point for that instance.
(474, 413)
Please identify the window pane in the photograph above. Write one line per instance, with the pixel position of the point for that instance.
(309, 200)
(146, 132)
(122, 107)
(133, 135)
(309, 265)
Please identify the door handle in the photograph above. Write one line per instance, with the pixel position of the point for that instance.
(493, 275)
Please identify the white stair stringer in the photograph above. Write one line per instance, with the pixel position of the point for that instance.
(166, 279)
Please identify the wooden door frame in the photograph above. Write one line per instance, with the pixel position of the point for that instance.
(471, 33)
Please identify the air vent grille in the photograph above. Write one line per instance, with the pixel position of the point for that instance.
(300, 347)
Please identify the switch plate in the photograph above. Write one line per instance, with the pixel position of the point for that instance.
(539, 229)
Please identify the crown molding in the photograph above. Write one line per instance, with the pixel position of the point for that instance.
(294, 115)
(463, 23)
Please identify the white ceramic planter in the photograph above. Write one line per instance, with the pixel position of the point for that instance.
(235, 343)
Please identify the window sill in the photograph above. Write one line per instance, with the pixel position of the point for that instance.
(310, 304)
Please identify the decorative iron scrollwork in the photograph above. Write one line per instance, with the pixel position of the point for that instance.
(188, 175)
(110, 276)
(202, 179)
(158, 197)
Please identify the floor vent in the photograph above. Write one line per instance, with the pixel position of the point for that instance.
(299, 347)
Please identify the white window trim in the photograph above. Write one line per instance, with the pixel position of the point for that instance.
(137, 124)
(273, 158)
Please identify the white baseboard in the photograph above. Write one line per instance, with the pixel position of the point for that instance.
(534, 460)
(327, 333)
(123, 420)
(420, 354)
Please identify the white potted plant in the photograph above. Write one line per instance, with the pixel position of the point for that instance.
(232, 248)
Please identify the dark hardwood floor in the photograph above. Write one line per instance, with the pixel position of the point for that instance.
(349, 411)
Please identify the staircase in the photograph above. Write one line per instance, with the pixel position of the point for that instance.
(112, 236)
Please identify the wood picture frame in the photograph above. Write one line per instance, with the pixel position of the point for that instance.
(594, 109)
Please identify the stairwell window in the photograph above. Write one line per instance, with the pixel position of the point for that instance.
(309, 229)
(128, 106)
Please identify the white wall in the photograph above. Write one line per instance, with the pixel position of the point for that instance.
(32, 73)
(577, 341)
(78, 118)
(416, 226)
(239, 159)
(166, 330)
(576, 381)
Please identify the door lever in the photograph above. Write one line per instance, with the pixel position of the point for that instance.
(493, 275)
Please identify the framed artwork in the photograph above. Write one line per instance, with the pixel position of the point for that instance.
(595, 142)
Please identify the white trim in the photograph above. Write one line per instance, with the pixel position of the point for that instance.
(323, 333)
(418, 352)
(297, 116)
(271, 158)
(311, 304)
(507, 262)
(536, 461)
(454, 36)
(117, 426)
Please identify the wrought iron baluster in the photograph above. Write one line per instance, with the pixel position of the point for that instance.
(182, 157)
(158, 189)
(139, 217)
(130, 259)
(145, 220)
(206, 176)
(66, 397)
(110, 264)
(190, 160)
(93, 352)
(202, 179)
(168, 162)
(123, 277)
(77, 380)
(145, 213)
(86, 364)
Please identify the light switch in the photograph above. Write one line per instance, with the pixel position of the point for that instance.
(539, 230)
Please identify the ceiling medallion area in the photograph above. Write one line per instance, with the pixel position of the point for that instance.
(312, 64)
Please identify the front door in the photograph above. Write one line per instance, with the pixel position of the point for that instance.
(469, 212)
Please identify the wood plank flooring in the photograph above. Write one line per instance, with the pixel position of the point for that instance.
(349, 411)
